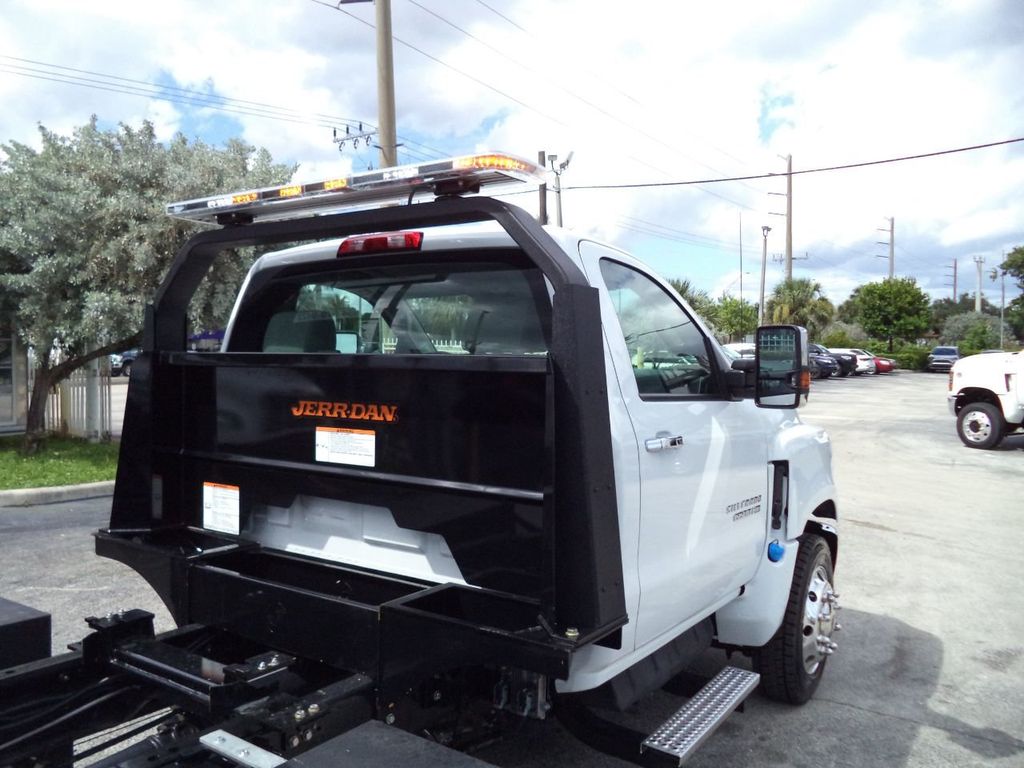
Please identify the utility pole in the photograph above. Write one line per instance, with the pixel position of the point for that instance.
(741, 257)
(978, 260)
(789, 217)
(780, 258)
(542, 191)
(788, 214)
(386, 130)
(954, 282)
(1001, 274)
(764, 265)
(892, 243)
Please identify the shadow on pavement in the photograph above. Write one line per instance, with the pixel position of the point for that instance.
(881, 690)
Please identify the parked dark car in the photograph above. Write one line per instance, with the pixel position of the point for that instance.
(847, 362)
(942, 358)
(121, 364)
(822, 365)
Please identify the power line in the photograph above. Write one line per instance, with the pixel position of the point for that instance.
(496, 12)
(445, 64)
(603, 80)
(508, 96)
(848, 166)
(546, 79)
(100, 81)
(679, 235)
(180, 95)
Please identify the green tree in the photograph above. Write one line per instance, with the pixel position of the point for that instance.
(974, 330)
(1015, 317)
(801, 302)
(895, 308)
(735, 318)
(849, 310)
(943, 309)
(1014, 265)
(84, 240)
(699, 299)
(843, 335)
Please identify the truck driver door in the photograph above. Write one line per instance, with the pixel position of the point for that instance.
(702, 456)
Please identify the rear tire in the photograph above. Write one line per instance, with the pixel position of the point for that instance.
(980, 425)
(792, 663)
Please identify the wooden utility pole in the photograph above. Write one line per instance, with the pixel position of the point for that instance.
(387, 133)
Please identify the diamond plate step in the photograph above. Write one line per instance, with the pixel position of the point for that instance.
(681, 734)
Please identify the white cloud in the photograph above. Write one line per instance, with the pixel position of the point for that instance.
(165, 117)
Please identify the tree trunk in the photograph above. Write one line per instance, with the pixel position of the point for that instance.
(35, 424)
(46, 377)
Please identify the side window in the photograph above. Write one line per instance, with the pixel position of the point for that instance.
(667, 350)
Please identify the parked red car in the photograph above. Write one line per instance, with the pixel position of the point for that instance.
(884, 365)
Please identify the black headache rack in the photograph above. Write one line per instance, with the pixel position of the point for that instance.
(263, 630)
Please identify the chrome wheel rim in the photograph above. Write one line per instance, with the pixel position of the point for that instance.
(977, 426)
(821, 605)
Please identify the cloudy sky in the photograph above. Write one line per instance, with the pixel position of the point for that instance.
(650, 94)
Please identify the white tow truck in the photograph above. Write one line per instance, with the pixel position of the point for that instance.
(986, 395)
(449, 468)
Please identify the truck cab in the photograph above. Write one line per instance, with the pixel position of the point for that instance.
(986, 395)
(447, 455)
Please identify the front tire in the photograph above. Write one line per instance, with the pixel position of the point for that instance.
(792, 663)
(980, 425)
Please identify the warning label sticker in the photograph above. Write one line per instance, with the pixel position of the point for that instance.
(221, 507)
(346, 446)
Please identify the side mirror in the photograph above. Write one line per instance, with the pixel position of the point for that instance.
(783, 374)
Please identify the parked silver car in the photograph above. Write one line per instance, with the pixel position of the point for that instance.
(942, 358)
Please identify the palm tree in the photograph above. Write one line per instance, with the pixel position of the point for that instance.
(800, 302)
(699, 299)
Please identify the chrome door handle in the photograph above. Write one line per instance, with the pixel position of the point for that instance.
(655, 444)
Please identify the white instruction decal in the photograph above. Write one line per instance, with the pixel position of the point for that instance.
(221, 507)
(346, 446)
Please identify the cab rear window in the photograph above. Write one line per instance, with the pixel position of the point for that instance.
(462, 306)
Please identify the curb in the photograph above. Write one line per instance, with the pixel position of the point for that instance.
(27, 497)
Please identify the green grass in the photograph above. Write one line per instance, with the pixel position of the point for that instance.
(60, 461)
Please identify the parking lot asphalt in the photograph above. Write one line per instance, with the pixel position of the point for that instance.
(930, 668)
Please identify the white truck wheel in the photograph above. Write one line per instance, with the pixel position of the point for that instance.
(980, 425)
(791, 664)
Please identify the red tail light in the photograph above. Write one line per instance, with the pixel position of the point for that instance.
(382, 241)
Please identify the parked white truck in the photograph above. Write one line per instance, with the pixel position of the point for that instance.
(986, 395)
(450, 469)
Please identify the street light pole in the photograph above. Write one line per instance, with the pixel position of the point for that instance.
(764, 264)
(558, 171)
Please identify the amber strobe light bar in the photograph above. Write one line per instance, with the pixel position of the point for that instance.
(465, 173)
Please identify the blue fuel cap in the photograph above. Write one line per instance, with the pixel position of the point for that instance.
(776, 551)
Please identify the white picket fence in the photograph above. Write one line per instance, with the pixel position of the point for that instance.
(80, 405)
